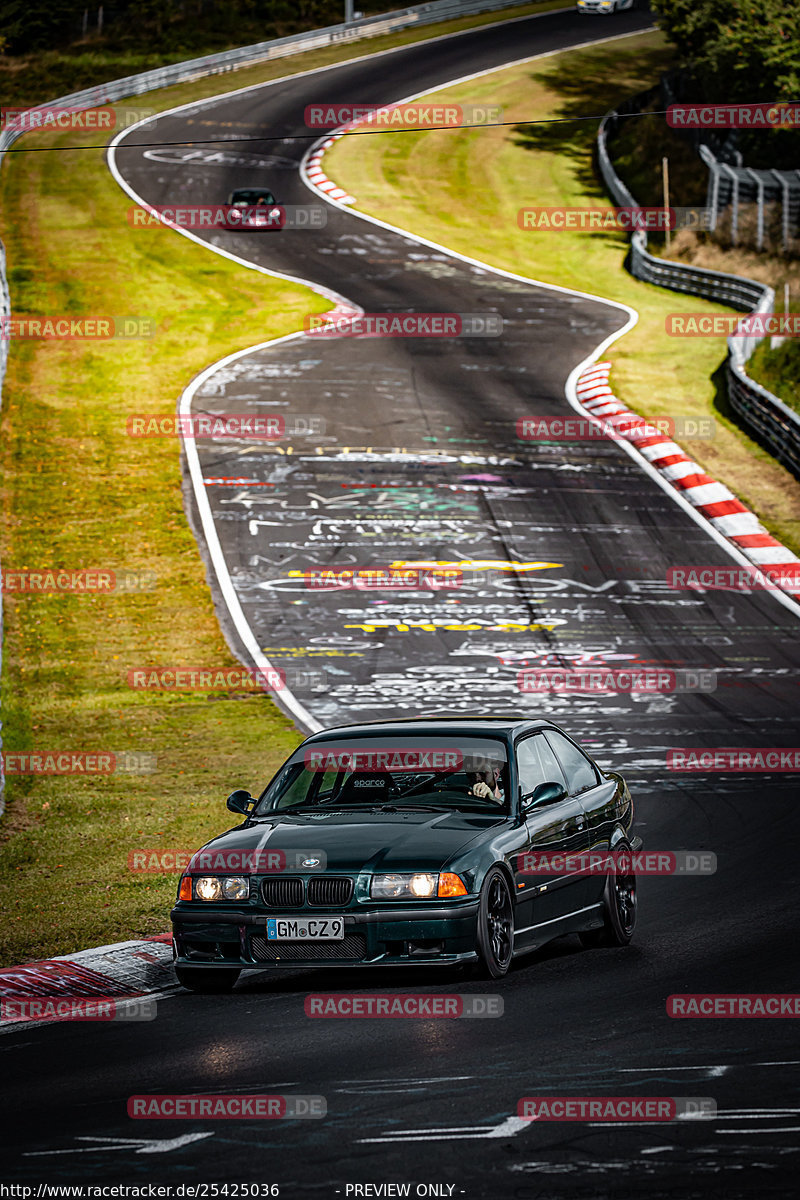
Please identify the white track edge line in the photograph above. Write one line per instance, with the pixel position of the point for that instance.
(575, 374)
(245, 633)
(235, 611)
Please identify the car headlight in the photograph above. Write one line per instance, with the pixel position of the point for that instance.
(274, 214)
(405, 886)
(419, 885)
(230, 887)
(207, 887)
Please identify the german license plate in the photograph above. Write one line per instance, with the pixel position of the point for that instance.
(305, 929)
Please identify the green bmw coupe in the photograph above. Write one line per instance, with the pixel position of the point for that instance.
(436, 841)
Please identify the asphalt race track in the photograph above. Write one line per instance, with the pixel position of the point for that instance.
(420, 462)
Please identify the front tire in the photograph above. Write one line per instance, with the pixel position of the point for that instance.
(208, 980)
(495, 925)
(619, 910)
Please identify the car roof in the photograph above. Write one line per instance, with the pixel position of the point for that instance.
(503, 725)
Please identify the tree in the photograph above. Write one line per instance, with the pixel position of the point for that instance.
(736, 50)
(35, 24)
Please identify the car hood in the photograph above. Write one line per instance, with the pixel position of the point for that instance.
(356, 841)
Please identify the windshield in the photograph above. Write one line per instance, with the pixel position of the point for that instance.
(251, 196)
(425, 773)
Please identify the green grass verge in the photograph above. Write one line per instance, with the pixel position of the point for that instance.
(778, 370)
(464, 188)
(77, 492)
(35, 78)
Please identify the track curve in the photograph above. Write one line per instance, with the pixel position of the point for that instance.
(426, 431)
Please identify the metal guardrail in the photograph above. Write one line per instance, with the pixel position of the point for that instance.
(245, 56)
(733, 290)
(770, 420)
(5, 311)
(776, 425)
(232, 60)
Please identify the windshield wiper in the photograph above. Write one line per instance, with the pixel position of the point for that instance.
(392, 807)
(326, 806)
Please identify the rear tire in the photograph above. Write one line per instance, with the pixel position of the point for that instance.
(495, 925)
(209, 980)
(619, 910)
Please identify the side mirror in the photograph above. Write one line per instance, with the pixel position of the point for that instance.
(545, 793)
(240, 802)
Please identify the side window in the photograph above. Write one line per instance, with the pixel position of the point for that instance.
(580, 773)
(537, 764)
(297, 789)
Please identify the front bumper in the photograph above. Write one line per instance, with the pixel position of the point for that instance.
(250, 227)
(375, 937)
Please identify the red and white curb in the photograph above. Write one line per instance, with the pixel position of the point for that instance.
(341, 312)
(123, 971)
(713, 500)
(320, 180)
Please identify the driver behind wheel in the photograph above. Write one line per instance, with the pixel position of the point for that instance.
(485, 782)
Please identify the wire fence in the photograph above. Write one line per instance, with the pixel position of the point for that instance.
(735, 191)
(765, 415)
